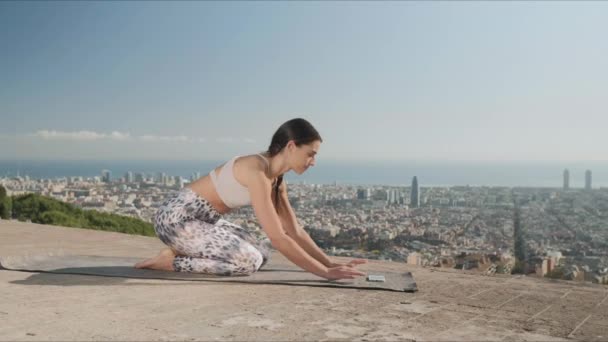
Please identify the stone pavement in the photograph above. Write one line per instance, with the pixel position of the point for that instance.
(449, 306)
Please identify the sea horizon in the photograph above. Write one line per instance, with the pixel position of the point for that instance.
(505, 173)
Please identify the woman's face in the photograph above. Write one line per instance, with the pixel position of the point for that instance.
(303, 156)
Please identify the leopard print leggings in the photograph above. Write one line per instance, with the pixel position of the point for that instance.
(203, 241)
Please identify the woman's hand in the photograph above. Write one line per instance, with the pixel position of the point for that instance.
(342, 272)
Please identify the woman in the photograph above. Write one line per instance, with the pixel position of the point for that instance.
(201, 241)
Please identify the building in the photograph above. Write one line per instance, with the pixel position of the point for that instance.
(129, 177)
(415, 194)
(566, 179)
(106, 175)
(414, 258)
(553, 260)
(178, 181)
(588, 180)
(392, 197)
(542, 268)
(139, 177)
(163, 178)
(195, 176)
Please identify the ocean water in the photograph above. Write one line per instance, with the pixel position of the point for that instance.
(511, 174)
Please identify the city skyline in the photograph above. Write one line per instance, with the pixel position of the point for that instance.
(564, 230)
(506, 81)
(129, 176)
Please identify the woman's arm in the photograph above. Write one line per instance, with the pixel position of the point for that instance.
(296, 232)
(260, 191)
(293, 229)
(261, 199)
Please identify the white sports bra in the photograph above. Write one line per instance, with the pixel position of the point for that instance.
(232, 193)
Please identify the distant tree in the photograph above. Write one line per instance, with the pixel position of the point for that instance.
(519, 267)
(379, 244)
(7, 208)
(31, 206)
(556, 273)
(519, 242)
(322, 237)
(58, 218)
(350, 238)
(500, 269)
(5, 204)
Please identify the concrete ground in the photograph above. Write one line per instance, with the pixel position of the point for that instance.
(449, 306)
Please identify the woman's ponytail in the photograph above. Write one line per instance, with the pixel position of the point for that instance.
(276, 192)
(298, 130)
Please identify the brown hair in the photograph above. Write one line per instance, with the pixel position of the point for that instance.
(298, 130)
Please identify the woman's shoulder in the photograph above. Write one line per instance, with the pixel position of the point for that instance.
(250, 165)
(252, 161)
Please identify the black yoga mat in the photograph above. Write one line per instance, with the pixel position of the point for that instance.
(270, 273)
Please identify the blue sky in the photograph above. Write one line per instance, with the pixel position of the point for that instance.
(380, 80)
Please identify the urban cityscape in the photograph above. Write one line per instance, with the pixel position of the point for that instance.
(562, 232)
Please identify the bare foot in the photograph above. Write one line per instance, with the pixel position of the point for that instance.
(163, 261)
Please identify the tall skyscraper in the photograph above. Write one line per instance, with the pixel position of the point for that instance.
(129, 177)
(566, 179)
(392, 197)
(415, 194)
(163, 178)
(588, 180)
(178, 181)
(106, 175)
(361, 194)
(139, 177)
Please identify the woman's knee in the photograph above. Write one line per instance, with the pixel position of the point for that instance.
(250, 261)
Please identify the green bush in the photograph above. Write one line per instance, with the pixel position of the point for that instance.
(5, 204)
(519, 267)
(5, 208)
(556, 273)
(58, 218)
(45, 210)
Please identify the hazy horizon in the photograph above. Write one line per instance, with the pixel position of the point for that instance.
(346, 161)
(434, 173)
